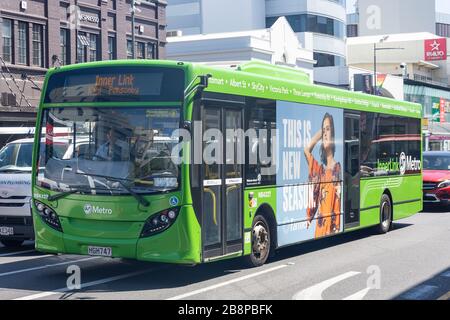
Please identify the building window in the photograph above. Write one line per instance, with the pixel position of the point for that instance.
(129, 49)
(111, 48)
(37, 45)
(64, 43)
(23, 43)
(352, 30)
(328, 60)
(140, 50)
(151, 50)
(93, 47)
(82, 44)
(312, 23)
(443, 30)
(7, 40)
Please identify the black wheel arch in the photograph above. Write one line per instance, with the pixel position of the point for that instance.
(389, 194)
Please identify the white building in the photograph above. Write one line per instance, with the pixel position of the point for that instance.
(397, 16)
(320, 25)
(276, 45)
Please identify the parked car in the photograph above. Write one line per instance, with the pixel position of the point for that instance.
(16, 224)
(436, 178)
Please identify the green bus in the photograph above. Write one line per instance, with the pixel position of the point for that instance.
(185, 163)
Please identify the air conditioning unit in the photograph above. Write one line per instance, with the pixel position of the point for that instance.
(174, 33)
(8, 99)
(23, 5)
(141, 29)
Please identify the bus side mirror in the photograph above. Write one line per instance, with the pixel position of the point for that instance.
(204, 80)
(187, 125)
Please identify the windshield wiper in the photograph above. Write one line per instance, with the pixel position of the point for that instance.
(63, 194)
(138, 197)
(74, 189)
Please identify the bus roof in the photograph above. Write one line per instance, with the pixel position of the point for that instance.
(263, 80)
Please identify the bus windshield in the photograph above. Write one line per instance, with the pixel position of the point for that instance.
(106, 146)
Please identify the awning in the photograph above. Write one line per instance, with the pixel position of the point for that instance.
(83, 40)
(426, 91)
(439, 130)
(428, 65)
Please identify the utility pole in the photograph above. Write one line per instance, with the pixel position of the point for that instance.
(133, 11)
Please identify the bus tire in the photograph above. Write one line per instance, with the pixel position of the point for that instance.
(12, 243)
(385, 214)
(261, 242)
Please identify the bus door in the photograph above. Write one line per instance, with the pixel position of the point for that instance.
(222, 188)
(352, 170)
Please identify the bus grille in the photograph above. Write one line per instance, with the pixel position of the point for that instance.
(429, 186)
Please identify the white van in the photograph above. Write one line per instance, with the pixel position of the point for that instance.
(16, 224)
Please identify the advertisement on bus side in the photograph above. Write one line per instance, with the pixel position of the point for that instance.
(310, 172)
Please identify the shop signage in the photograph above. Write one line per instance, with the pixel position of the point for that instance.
(88, 18)
(436, 49)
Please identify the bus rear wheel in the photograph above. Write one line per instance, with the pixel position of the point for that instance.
(385, 214)
(12, 243)
(261, 240)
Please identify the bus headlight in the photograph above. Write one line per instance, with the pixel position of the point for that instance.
(159, 222)
(48, 216)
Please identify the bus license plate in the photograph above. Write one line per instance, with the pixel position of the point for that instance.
(100, 251)
(6, 231)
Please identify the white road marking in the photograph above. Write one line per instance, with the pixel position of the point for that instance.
(222, 284)
(85, 285)
(315, 292)
(5, 260)
(45, 266)
(419, 293)
(358, 295)
(15, 253)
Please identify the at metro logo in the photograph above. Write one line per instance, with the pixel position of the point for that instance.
(436, 49)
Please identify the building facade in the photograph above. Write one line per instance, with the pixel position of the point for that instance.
(325, 20)
(276, 45)
(397, 16)
(38, 34)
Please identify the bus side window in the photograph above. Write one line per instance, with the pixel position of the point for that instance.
(261, 127)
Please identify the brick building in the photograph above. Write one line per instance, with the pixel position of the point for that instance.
(33, 33)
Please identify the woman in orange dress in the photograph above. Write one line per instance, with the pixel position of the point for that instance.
(326, 178)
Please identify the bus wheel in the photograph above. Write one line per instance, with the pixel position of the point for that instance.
(12, 243)
(385, 214)
(260, 242)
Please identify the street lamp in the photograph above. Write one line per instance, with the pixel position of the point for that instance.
(375, 49)
(133, 10)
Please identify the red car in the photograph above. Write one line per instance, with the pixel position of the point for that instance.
(436, 178)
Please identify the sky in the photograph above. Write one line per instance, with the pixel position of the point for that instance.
(441, 6)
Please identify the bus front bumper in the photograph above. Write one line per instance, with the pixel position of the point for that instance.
(179, 244)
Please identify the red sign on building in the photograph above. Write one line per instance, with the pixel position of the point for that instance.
(436, 49)
(442, 110)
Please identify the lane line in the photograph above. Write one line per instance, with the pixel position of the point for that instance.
(6, 260)
(17, 252)
(358, 295)
(315, 292)
(46, 266)
(85, 285)
(445, 297)
(222, 284)
(419, 293)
